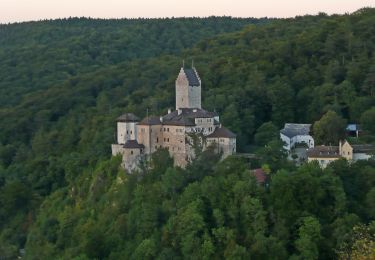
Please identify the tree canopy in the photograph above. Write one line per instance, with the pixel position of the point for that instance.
(64, 83)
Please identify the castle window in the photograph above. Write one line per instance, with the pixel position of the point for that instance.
(127, 132)
(157, 139)
(167, 129)
(131, 152)
(131, 132)
(168, 140)
(164, 139)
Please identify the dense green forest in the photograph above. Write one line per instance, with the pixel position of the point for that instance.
(64, 82)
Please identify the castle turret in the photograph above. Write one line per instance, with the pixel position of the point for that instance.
(126, 128)
(188, 89)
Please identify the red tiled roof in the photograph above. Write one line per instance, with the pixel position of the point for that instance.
(260, 175)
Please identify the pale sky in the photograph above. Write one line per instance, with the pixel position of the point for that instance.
(26, 10)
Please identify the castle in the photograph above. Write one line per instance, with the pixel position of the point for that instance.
(175, 131)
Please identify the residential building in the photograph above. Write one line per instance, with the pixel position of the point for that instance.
(293, 134)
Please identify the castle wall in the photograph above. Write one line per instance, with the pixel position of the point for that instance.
(226, 146)
(150, 136)
(164, 136)
(131, 159)
(117, 149)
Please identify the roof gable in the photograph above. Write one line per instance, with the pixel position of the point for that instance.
(291, 130)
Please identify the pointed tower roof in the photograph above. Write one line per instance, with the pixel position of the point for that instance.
(192, 77)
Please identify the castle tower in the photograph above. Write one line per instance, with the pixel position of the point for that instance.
(126, 128)
(188, 89)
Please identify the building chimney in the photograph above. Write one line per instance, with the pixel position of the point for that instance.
(340, 148)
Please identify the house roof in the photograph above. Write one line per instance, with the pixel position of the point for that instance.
(353, 127)
(363, 148)
(186, 116)
(291, 130)
(128, 117)
(222, 132)
(151, 120)
(192, 77)
(323, 152)
(191, 113)
(180, 121)
(133, 144)
(260, 175)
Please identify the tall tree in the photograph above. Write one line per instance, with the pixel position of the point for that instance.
(329, 129)
(309, 236)
(368, 120)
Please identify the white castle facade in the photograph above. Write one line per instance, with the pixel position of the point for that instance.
(175, 131)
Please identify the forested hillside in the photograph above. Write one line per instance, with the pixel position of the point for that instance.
(38, 55)
(63, 83)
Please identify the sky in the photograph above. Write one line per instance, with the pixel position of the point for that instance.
(29, 10)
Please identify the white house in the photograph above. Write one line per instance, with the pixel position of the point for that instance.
(293, 134)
